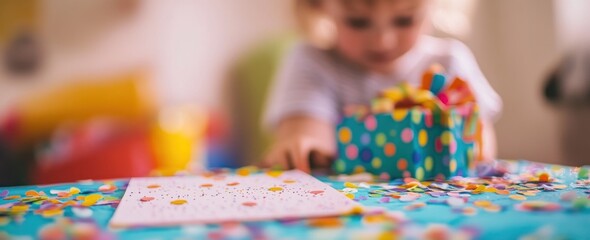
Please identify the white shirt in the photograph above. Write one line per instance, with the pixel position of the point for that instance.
(318, 83)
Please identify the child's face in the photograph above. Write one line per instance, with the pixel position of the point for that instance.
(374, 34)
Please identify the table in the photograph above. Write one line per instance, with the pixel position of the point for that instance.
(529, 200)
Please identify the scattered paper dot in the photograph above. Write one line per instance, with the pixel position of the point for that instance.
(152, 186)
(178, 202)
(146, 199)
(249, 204)
(316, 192)
(275, 189)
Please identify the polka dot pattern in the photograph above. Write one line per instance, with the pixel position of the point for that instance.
(416, 143)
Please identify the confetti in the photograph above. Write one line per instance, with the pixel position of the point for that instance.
(316, 192)
(146, 199)
(152, 186)
(75, 190)
(178, 202)
(289, 181)
(91, 199)
(206, 185)
(12, 197)
(568, 196)
(106, 188)
(82, 212)
(3, 193)
(415, 206)
(544, 177)
(537, 206)
(324, 222)
(455, 202)
(482, 203)
(469, 211)
(52, 213)
(275, 189)
(517, 197)
(274, 173)
(249, 204)
(31, 193)
(350, 185)
(231, 184)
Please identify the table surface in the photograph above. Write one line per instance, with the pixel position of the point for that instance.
(521, 203)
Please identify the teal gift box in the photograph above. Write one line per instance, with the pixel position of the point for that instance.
(417, 141)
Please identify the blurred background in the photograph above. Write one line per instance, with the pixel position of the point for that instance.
(122, 88)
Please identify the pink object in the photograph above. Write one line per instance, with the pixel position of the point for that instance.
(251, 200)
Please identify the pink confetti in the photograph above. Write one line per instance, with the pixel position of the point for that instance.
(146, 199)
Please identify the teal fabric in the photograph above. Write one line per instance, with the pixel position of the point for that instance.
(566, 223)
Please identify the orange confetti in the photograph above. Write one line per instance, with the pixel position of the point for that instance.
(325, 222)
(544, 177)
(178, 202)
(31, 193)
(316, 192)
(503, 192)
(206, 185)
(233, 183)
(289, 181)
(153, 186)
(249, 204)
(12, 197)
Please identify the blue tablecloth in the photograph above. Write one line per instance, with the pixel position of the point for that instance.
(478, 208)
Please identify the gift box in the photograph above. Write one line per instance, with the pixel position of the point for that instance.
(429, 132)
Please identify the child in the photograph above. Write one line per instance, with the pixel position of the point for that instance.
(376, 44)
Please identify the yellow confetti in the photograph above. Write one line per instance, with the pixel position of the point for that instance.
(482, 203)
(91, 199)
(517, 197)
(350, 185)
(490, 190)
(19, 208)
(275, 189)
(74, 190)
(350, 195)
(52, 212)
(178, 202)
(289, 181)
(274, 173)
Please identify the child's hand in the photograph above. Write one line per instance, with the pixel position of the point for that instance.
(302, 142)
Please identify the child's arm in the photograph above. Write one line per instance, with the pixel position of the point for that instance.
(299, 140)
(489, 141)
